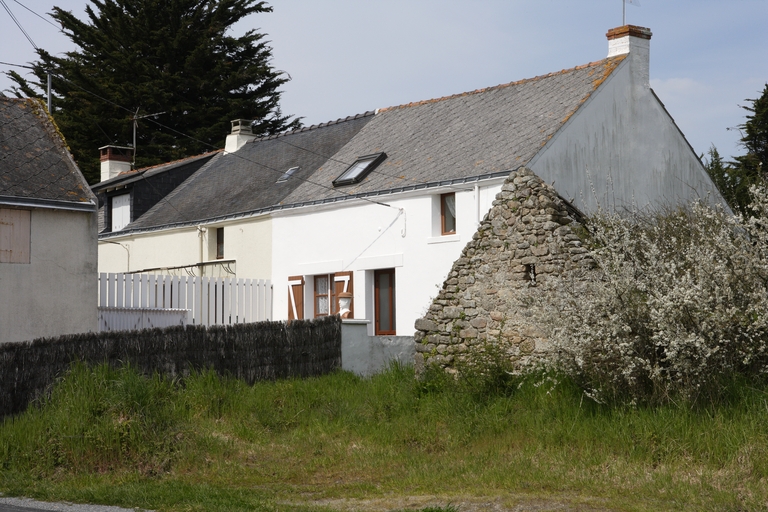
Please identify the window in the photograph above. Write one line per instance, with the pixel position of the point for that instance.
(219, 243)
(448, 214)
(360, 169)
(120, 211)
(384, 301)
(323, 296)
(287, 174)
(14, 235)
(327, 290)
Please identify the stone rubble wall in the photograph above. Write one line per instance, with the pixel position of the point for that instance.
(526, 240)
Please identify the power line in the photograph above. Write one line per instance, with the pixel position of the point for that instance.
(8, 10)
(267, 167)
(16, 65)
(38, 15)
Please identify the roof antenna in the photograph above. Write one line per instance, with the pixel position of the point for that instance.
(136, 118)
(624, 9)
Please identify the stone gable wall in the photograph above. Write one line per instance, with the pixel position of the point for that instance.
(526, 240)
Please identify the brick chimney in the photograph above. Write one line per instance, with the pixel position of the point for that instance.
(636, 41)
(114, 160)
(241, 133)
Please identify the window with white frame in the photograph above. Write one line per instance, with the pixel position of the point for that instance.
(448, 214)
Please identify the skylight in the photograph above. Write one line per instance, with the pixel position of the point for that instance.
(360, 169)
(287, 174)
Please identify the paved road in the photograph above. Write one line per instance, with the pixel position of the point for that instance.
(27, 505)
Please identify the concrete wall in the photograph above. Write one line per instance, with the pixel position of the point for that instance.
(247, 241)
(367, 355)
(361, 236)
(56, 293)
(622, 148)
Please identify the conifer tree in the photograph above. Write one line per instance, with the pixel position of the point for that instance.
(173, 58)
(755, 137)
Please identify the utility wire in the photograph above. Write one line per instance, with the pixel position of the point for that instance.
(214, 147)
(8, 10)
(38, 15)
(16, 65)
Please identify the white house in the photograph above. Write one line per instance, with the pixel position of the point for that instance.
(48, 236)
(380, 205)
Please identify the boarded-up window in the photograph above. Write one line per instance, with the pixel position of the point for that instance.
(14, 235)
(121, 211)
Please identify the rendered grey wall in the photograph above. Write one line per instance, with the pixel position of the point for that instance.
(621, 149)
(56, 293)
(367, 355)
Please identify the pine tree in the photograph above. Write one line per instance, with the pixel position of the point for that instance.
(755, 137)
(732, 182)
(172, 58)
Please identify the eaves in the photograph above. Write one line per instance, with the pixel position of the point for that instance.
(304, 204)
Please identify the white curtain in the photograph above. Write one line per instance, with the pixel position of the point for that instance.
(450, 203)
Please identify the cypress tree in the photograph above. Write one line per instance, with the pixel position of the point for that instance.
(173, 58)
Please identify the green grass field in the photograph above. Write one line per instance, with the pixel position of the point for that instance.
(207, 443)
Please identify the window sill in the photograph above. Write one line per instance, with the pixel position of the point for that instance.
(443, 239)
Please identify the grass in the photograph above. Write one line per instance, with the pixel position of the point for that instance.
(210, 443)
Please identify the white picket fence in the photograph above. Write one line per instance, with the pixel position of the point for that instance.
(131, 319)
(210, 300)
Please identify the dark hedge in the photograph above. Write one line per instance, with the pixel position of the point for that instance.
(252, 352)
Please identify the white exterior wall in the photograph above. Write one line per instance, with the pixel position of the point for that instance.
(247, 241)
(56, 292)
(360, 236)
(622, 149)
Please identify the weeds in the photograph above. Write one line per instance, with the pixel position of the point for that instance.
(113, 436)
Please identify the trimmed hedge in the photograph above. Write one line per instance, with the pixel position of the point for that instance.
(252, 352)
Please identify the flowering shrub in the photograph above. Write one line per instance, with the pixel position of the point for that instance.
(678, 304)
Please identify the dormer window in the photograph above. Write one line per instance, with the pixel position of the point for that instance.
(360, 169)
(287, 175)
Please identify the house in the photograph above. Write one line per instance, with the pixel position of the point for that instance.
(48, 230)
(383, 209)
(125, 194)
(217, 221)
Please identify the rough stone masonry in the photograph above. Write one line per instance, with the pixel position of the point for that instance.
(526, 240)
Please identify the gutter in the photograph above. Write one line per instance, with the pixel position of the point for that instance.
(281, 207)
(51, 204)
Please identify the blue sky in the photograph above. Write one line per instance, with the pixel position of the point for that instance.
(349, 56)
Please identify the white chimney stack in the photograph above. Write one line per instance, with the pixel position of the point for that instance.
(241, 133)
(114, 160)
(636, 41)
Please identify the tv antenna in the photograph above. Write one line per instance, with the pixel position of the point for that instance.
(636, 3)
(136, 118)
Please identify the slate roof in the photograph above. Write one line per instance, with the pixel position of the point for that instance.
(124, 178)
(246, 181)
(35, 163)
(474, 135)
(483, 132)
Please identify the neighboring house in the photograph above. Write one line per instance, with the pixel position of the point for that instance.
(48, 236)
(217, 222)
(125, 194)
(385, 210)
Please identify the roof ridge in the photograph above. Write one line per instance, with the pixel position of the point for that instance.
(505, 85)
(314, 126)
(172, 162)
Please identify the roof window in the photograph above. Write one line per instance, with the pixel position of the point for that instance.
(360, 169)
(287, 174)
